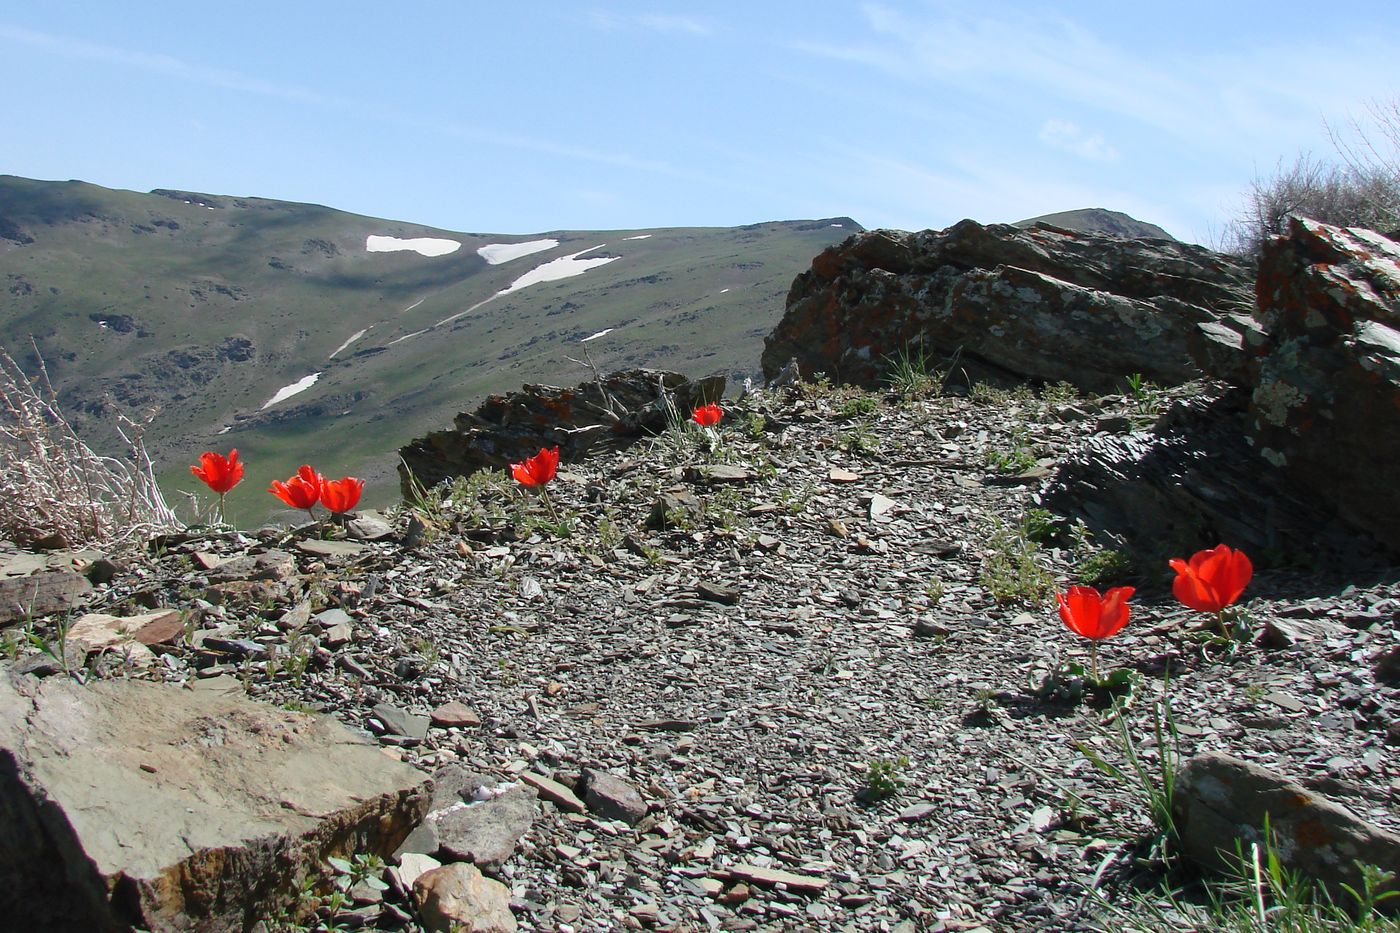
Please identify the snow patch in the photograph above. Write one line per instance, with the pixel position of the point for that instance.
(723, 290)
(640, 236)
(607, 330)
(353, 337)
(423, 245)
(836, 225)
(497, 253)
(561, 268)
(286, 392)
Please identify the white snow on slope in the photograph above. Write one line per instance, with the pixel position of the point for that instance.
(424, 245)
(640, 236)
(497, 253)
(562, 268)
(352, 338)
(286, 392)
(600, 333)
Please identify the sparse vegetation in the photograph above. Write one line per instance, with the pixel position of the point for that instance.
(1011, 571)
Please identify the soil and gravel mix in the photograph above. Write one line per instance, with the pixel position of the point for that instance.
(810, 639)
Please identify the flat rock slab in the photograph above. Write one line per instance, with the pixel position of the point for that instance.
(40, 594)
(137, 804)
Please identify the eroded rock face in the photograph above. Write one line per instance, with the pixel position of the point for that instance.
(508, 428)
(128, 804)
(1041, 303)
(1325, 382)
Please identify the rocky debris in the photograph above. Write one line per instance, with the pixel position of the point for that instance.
(1222, 802)
(1321, 360)
(750, 731)
(473, 818)
(1042, 303)
(506, 428)
(459, 899)
(455, 714)
(141, 804)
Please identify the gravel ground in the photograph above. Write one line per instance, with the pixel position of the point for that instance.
(783, 633)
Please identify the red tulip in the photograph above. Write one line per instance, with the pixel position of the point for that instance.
(1212, 579)
(1094, 616)
(301, 491)
(537, 470)
(219, 473)
(707, 415)
(341, 495)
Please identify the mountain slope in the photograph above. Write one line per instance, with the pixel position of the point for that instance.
(204, 308)
(1101, 221)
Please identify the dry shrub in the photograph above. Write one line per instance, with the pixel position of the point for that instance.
(51, 483)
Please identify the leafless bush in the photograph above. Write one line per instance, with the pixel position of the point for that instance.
(1362, 191)
(53, 483)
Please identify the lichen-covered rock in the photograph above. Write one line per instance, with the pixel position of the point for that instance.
(507, 428)
(1222, 801)
(1325, 402)
(1042, 303)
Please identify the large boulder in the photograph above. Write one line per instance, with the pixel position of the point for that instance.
(507, 428)
(1320, 358)
(1043, 303)
(137, 805)
(1221, 805)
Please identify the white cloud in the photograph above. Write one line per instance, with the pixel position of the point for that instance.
(1062, 134)
(670, 23)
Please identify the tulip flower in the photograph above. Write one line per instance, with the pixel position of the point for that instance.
(341, 495)
(1211, 580)
(707, 415)
(1094, 617)
(537, 470)
(219, 473)
(301, 491)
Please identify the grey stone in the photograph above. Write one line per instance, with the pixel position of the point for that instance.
(1221, 800)
(611, 797)
(401, 722)
(486, 831)
(137, 804)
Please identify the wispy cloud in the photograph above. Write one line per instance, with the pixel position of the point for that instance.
(161, 64)
(1067, 136)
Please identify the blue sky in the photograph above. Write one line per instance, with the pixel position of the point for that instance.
(521, 118)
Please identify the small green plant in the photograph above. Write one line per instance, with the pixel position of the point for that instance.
(1010, 571)
(908, 371)
(858, 407)
(1071, 682)
(1152, 777)
(1103, 566)
(883, 778)
(858, 441)
(755, 424)
(1059, 393)
(609, 535)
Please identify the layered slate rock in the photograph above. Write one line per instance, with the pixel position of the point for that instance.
(128, 804)
(507, 428)
(1222, 802)
(1042, 303)
(1321, 360)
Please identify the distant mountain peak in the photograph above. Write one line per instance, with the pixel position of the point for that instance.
(1101, 221)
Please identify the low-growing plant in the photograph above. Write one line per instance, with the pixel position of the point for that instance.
(1103, 566)
(859, 406)
(883, 777)
(909, 371)
(1010, 571)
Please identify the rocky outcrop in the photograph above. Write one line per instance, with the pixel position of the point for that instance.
(127, 804)
(507, 428)
(1043, 303)
(1321, 360)
(1221, 805)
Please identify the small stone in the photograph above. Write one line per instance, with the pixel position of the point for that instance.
(398, 721)
(717, 593)
(719, 473)
(459, 898)
(838, 475)
(611, 797)
(368, 526)
(337, 635)
(917, 812)
(331, 548)
(412, 865)
(879, 505)
(553, 791)
(809, 884)
(453, 714)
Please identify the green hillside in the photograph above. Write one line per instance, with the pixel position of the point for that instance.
(199, 308)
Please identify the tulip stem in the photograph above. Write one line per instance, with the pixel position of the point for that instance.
(1094, 661)
(1224, 629)
(544, 494)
